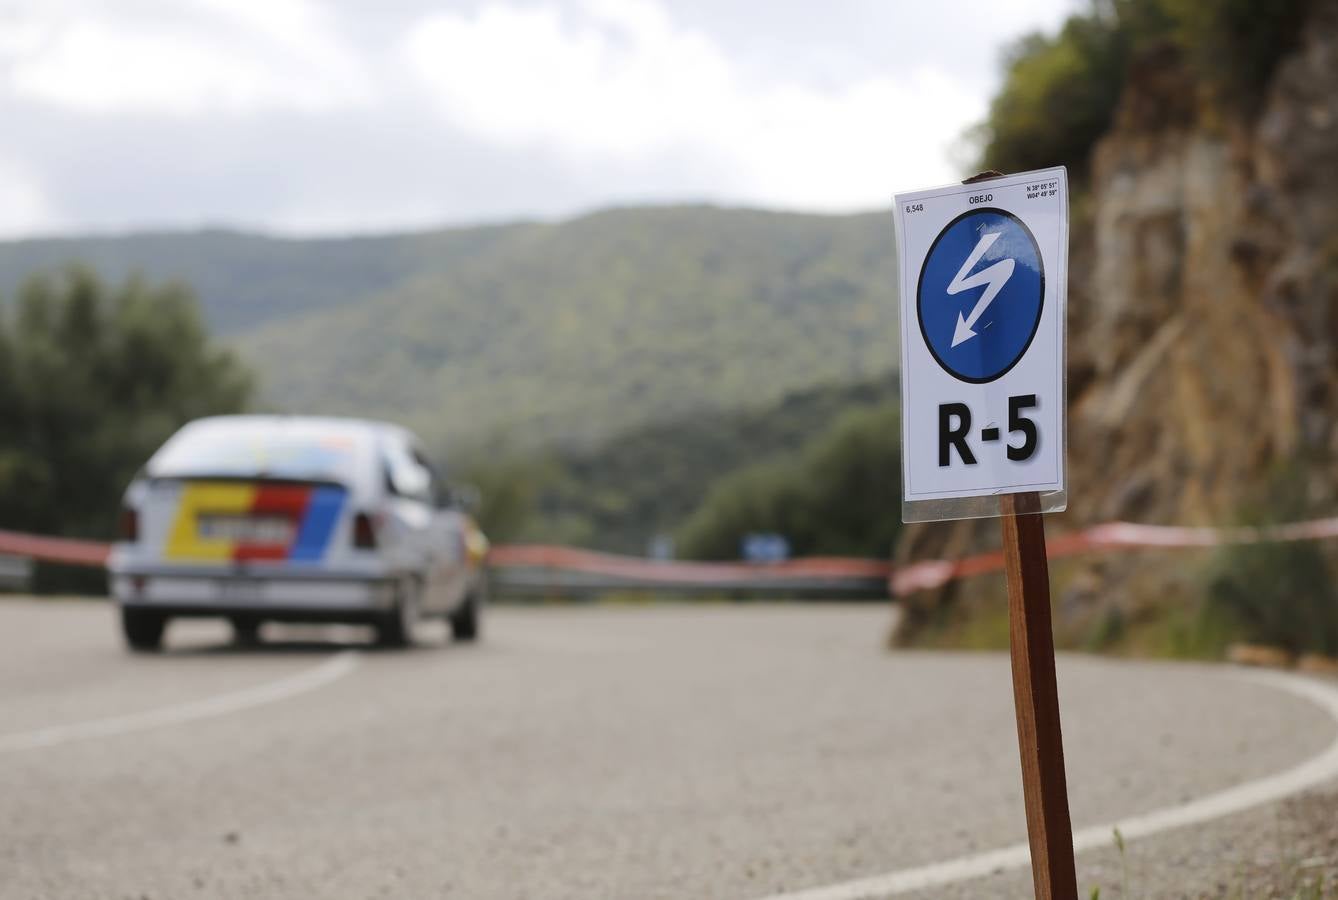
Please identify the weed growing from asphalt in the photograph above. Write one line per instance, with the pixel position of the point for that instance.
(1124, 864)
(1297, 860)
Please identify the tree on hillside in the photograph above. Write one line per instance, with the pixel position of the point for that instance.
(92, 381)
(1060, 92)
(840, 495)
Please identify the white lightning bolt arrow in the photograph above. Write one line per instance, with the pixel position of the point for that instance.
(995, 277)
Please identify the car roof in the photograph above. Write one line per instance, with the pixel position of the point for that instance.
(341, 425)
(299, 446)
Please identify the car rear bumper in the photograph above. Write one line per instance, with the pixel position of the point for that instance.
(307, 597)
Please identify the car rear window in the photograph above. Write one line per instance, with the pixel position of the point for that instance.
(263, 449)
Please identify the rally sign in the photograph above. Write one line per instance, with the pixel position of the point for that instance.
(983, 272)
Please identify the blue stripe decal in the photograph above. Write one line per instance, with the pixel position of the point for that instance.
(313, 535)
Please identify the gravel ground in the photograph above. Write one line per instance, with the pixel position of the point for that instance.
(607, 752)
(1282, 851)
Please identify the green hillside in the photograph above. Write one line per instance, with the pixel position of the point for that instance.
(529, 334)
(246, 280)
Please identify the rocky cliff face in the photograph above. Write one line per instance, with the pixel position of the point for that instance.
(1203, 305)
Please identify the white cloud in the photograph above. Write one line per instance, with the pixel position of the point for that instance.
(338, 115)
(221, 56)
(618, 79)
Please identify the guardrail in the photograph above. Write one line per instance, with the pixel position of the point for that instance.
(544, 569)
(15, 572)
(541, 569)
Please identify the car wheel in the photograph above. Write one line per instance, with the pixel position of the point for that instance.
(245, 630)
(465, 621)
(143, 630)
(396, 627)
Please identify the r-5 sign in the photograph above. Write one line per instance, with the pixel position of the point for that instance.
(954, 431)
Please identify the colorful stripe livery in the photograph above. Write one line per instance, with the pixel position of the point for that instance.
(313, 512)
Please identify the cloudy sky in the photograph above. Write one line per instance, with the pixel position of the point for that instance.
(299, 116)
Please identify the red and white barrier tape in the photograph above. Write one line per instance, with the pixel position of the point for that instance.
(54, 549)
(908, 579)
(537, 556)
(1109, 536)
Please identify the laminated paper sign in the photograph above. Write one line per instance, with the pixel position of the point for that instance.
(984, 274)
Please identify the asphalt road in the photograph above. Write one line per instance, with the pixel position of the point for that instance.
(598, 752)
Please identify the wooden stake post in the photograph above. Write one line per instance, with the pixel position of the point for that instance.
(1031, 641)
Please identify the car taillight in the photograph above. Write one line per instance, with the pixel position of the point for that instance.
(127, 527)
(364, 532)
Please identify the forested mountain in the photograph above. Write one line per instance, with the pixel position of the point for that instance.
(533, 333)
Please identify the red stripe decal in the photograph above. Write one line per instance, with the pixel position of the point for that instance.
(275, 500)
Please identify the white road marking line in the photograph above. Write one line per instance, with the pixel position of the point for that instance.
(330, 670)
(1313, 771)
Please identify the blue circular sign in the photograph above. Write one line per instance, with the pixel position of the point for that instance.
(981, 290)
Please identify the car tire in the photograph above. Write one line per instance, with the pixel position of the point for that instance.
(395, 628)
(143, 630)
(465, 621)
(245, 631)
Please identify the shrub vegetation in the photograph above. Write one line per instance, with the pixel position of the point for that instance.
(1060, 92)
(840, 495)
(92, 380)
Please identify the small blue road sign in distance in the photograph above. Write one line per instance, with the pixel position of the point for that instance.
(980, 294)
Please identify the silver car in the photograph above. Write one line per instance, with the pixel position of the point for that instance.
(295, 519)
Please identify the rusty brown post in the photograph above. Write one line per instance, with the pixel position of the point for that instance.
(1036, 696)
